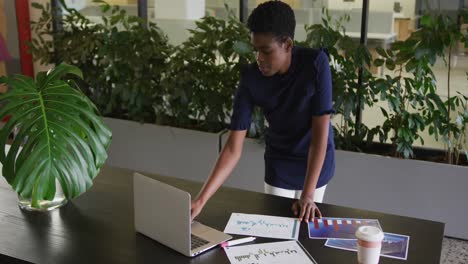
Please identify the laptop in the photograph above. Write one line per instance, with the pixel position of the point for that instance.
(162, 212)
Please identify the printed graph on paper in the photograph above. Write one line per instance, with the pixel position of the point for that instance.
(342, 228)
(263, 226)
(286, 252)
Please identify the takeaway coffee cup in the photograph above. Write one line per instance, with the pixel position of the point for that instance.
(369, 244)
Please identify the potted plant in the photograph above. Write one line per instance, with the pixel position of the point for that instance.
(61, 142)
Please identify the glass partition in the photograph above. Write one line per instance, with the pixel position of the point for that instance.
(222, 9)
(177, 17)
(94, 13)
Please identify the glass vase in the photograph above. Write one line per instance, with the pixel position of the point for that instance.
(59, 200)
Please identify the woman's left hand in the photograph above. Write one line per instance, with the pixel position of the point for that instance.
(306, 209)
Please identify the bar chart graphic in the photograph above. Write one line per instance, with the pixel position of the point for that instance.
(342, 228)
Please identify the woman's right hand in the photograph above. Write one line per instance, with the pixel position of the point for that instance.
(196, 207)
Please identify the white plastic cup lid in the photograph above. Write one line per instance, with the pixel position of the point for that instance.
(370, 234)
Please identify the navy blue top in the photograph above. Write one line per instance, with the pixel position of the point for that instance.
(289, 101)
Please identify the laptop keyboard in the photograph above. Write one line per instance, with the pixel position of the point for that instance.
(197, 241)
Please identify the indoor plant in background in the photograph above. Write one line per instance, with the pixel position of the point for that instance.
(203, 74)
(414, 102)
(123, 57)
(61, 142)
(410, 90)
(446, 33)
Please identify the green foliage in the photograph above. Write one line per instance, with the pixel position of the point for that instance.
(132, 72)
(123, 58)
(60, 135)
(454, 131)
(204, 73)
(413, 102)
(410, 91)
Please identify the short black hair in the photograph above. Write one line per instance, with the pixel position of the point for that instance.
(273, 17)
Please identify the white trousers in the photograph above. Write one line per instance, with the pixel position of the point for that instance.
(294, 194)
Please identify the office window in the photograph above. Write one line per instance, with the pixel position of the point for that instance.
(176, 17)
(93, 12)
(217, 8)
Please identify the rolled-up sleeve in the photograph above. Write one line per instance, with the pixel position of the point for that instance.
(242, 109)
(322, 103)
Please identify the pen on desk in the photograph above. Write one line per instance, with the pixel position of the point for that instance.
(237, 241)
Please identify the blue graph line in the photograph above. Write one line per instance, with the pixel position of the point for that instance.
(264, 253)
(250, 224)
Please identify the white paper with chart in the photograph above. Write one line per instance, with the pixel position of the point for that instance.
(263, 226)
(286, 252)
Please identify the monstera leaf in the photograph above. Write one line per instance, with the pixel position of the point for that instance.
(59, 135)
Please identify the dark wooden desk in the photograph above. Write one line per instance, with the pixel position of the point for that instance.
(97, 227)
